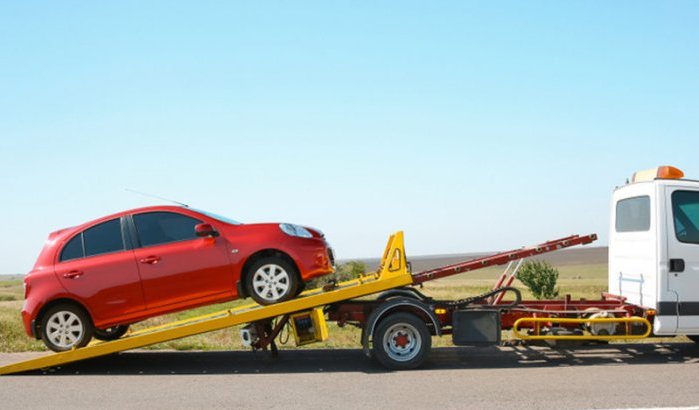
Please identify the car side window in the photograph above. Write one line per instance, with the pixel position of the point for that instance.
(103, 238)
(73, 249)
(164, 227)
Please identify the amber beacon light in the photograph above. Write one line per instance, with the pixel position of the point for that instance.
(663, 172)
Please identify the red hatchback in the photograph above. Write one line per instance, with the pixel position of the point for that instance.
(98, 278)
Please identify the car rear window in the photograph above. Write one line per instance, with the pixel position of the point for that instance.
(103, 238)
(163, 227)
(73, 249)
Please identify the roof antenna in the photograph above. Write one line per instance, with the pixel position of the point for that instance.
(157, 197)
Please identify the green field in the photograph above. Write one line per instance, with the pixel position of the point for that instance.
(12, 336)
(581, 281)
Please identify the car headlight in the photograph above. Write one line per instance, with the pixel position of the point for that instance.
(295, 230)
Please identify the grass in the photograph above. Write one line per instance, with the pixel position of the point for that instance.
(12, 336)
(580, 281)
(11, 290)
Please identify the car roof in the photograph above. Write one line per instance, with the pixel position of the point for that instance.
(155, 208)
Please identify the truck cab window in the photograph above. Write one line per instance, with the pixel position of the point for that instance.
(633, 214)
(685, 213)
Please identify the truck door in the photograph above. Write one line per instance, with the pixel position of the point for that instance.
(683, 256)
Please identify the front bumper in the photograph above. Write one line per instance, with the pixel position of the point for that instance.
(313, 260)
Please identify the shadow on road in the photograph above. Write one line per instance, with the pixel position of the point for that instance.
(353, 360)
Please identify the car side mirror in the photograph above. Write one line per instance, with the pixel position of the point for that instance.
(205, 229)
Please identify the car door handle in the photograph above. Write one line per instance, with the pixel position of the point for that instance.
(151, 260)
(74, 274)
(676, 265)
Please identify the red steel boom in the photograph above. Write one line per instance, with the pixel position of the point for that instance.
(502, 258)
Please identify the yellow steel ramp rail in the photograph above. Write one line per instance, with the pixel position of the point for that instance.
(391, 273)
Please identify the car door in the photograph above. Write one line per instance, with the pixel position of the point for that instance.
(176, 266)
(96, 266)
(683, 255)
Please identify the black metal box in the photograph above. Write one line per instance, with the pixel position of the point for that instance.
(476, 327)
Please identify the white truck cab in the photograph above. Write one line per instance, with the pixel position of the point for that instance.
(654, 248)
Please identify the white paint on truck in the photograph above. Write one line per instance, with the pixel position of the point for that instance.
(654, 251)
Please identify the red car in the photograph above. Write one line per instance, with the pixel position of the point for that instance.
(97, 278)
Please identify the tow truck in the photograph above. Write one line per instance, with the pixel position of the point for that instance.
(653, 290)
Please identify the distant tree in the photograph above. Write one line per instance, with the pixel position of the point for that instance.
(540, 277)
(353, 269)
(346, 271)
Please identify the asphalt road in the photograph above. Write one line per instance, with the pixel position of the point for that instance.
(614, 376)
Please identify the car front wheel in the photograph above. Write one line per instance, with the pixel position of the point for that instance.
(65, 327)
(271, 280)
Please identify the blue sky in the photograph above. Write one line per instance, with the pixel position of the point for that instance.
(470, 125)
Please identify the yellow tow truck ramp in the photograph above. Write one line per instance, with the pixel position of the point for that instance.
(392, 273)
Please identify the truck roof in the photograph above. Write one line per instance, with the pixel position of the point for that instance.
(663, 175)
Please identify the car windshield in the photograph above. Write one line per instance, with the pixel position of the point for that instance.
(219, 217)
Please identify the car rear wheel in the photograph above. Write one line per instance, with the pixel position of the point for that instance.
(271, 280)
(111, 333)
(65, 327)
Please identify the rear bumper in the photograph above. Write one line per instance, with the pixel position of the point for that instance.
(28, 318)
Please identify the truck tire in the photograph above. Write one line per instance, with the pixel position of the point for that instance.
(401, 341)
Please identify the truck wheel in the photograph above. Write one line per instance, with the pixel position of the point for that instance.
(401, 341)
(111, 333)
(272, 280)
(66, 326)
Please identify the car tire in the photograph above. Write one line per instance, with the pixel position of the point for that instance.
(65, 327)
(111, 333)
(401, 341)
(272, 279)
(301, 288)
